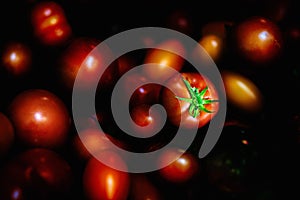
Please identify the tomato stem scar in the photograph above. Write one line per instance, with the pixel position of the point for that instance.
(197, 100)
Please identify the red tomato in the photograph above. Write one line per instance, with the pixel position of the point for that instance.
(143, 189)
(49, 23)
(258, 40)
(213, 45)
(183, 169)
(40, 118)
(164, 59)
(142, 117)
(91, 142)
(6, 134)
(176, 108)
(78, 55)
(35, 174)
(103, 182)
(16, 58)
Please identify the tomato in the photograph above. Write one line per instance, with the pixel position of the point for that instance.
(145, 94)
(40, 118)
(78, 54)
(183, 169)
(125, 63)
(241, 92)
(6, 134)
(181, 21)
(16, 58)
(147, 121)
(50, 24)
(143, 189)
(92, 141)
(103, 182)
(259, 40)
(35, 174)
(213, 45)
(177, 109)
(164, 60)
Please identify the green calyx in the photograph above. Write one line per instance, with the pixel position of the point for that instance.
(197, 100)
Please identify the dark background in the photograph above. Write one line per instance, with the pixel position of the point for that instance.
(274, 130)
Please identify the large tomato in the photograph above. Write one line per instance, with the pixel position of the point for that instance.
(177, 108)
(103, 182)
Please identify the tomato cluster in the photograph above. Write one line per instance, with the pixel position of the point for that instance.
(254, 45)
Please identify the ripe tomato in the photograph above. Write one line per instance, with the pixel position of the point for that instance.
(164, 59)
(182, 169)
(49, 23)
(40, 118)
(258, 40)
(178, 108)
(6, 134)
(92, 141)
(103, 182)
(35, 174)
(16, 58)
(213, 45)
(143, 189)
(242, 92)
(78, 55)
(147, 121)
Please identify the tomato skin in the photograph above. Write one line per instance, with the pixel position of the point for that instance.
(213, 45)
(40, 118)
(258, 39)
(16, 58)
(6, 134)
(182, 169)
(103, 182)
(35, 174)
(147, 121)
(49, 23)
(176, 108)
(163, 60)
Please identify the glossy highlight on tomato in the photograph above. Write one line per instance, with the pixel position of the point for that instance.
(40, 118)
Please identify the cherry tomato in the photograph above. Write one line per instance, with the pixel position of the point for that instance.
(164, 59)
(213, 45)
(142, 117)
(176, 108)
(242, 92)
(78, 54)
(6, 134)
(35, 174)
(258, 40)
(103, 182)
(143, 189)
(40, 118)
(183, 169)
(49, 23)
(16, 58)
(92, 141)
(180, 21)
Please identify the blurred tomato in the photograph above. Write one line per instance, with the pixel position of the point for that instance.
(79, 54)
(217, 28)
(164, 59)
(92, 141)
(146, 122)
(40, 118)
(181, 21)
(49, 23)
(6, 134)
(143, 189)
(177, 109)
(242, 92)
(16, 58)
(258, 40)
(213, 45)
(35, 174)
(103, 182)
(183, 169)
